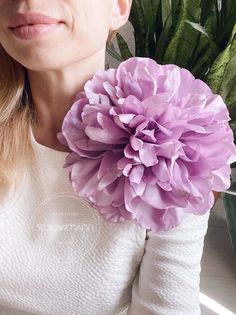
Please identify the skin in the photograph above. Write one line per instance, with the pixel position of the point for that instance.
(59, 64)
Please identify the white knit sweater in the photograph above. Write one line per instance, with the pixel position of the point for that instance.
(58, 255)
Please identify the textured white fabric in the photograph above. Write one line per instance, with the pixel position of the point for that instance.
(169, 277)
(58, 256)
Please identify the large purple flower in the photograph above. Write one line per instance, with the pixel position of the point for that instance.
(149, 142)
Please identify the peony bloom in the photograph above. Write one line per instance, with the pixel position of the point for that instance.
(149, 143)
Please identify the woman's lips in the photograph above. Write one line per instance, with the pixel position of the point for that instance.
(32, 25)
(34, 31)
(27, 18)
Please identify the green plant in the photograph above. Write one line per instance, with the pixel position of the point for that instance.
(199, 35)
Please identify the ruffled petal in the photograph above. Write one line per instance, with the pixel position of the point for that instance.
(149, 143)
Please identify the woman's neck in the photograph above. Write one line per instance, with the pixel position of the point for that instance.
(53, 93)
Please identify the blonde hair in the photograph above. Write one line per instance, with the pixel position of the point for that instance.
(17, 115)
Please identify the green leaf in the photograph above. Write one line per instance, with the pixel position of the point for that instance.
(207, 9)
(206, 50)
(215, 75)
(226, 21)
(166, 11)
(138, 21)
(185, 39)
(222, 68)
(163, 41)
(222, 76)
(143, 17)
(150, 9)
(113, 53)
(228, 87)
(123, 46)
(198, 27)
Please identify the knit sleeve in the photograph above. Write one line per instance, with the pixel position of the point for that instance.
(168, 280)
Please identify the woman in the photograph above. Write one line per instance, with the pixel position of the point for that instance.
(58, 255)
